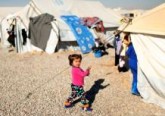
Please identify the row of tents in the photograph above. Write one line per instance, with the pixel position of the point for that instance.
(57, 8)
(147, 34)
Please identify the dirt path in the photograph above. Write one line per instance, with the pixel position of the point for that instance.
(38, 84)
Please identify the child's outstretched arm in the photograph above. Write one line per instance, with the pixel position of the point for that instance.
(83, 73)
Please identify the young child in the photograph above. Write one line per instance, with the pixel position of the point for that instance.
(132, 59)
(77, 82)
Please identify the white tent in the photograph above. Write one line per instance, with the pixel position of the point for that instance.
(81, 8)
(148, 37)
(22, 18)
(8, 10)
(57, 8)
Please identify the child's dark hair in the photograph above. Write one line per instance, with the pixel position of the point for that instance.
(127, 36)
(72, 57)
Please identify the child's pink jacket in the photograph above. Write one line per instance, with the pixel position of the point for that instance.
(78, 76)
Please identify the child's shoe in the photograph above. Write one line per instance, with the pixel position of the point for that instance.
(67, 104)
(86, 108)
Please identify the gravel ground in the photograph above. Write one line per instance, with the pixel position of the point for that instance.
(38, 84)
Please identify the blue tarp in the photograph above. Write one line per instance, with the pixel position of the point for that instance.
(82, 34)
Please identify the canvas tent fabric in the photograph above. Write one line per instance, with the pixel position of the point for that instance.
(148, 37)
(95, 9)
(8, 10)
(150, 52)
(80, 8)
(152, 22)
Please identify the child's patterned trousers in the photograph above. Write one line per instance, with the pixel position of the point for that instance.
(77, 91)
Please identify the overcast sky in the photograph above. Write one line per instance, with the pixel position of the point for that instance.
(126, 4)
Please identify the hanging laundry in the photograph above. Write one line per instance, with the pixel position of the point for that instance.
(82, 34)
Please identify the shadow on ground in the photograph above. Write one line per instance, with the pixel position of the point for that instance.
(93, 91)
